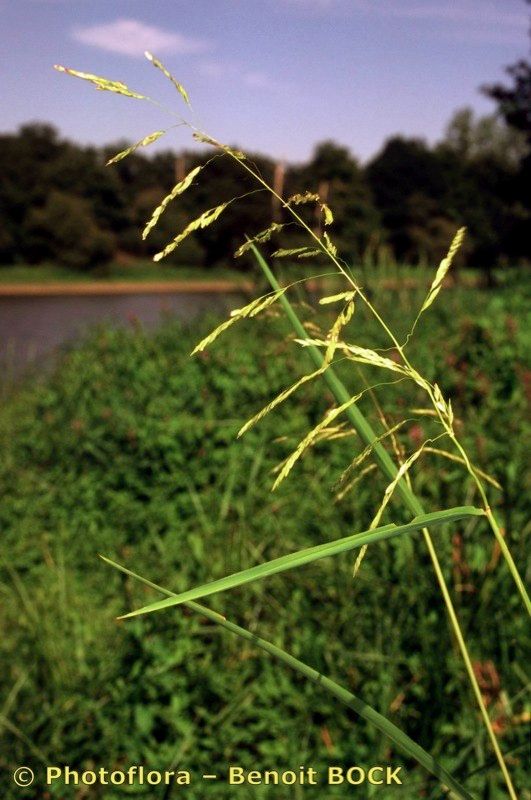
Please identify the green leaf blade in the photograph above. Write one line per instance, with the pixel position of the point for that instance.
(307, 556)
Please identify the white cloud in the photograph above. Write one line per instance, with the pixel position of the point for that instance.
(131, 37)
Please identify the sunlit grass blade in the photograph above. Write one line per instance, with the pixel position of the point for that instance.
(403, 742)
(308, 555)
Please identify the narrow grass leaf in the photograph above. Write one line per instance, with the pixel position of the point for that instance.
(309, 555)
(401, 739)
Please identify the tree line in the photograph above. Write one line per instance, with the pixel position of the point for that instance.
(59, 202)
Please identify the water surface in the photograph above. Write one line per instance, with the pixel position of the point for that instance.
(32, 328)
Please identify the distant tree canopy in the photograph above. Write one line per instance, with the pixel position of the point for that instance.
(514, 101)
(60, 203)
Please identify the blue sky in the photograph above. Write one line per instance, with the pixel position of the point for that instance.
(274, 76)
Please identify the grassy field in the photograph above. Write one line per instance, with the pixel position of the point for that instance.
(129, 449)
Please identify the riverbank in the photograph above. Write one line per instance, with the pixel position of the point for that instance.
(107, 287)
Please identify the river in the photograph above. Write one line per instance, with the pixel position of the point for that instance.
(34, 327)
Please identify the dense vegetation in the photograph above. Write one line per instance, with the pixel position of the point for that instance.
(59, 203)
(128, 449)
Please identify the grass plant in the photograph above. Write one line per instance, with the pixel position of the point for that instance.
(377, 441)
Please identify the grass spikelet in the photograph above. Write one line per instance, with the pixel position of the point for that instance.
(269, 300)
(357, 478)
(204, 343)
(180, 88)
(236, 315)
(444, 266)
(327, 213)
(458, 460)
(402, 471)
(206, 218)
(301, 199)
(178, 189)
(441, 405)
(424, 412)
(261, 237)
(250, 310)
(361, 457)
(310, 253)
(294, 251)
(343, 319)
(362, 355)
(341, 431)
(103, 84)
(278, 400)
(337, 298)
(204, 138)
(329, 245)
(440, 275)
(147, 140)
(310, 437)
